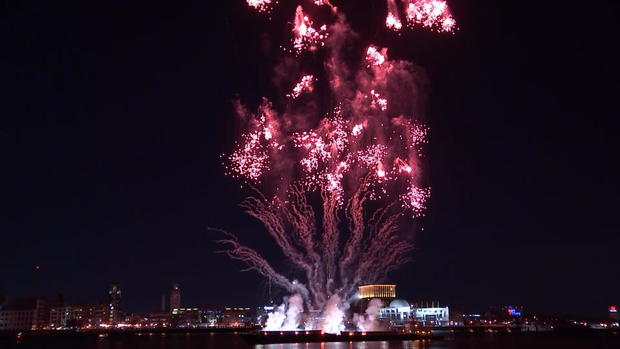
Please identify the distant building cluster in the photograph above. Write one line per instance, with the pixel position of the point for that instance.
(391, 313)
(46, 314)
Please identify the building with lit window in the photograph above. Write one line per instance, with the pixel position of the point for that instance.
(25, 314)
(114, 315)
(175, 297)
(398, 311)
(377, 291)
(237, 317)
(70, 316)
(436, 316)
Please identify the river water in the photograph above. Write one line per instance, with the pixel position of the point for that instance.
(217, 341)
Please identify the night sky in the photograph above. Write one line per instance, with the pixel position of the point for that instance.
(114, 115)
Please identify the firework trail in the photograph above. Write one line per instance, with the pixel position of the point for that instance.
(332, 189)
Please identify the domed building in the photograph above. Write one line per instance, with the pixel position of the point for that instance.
(398, 311)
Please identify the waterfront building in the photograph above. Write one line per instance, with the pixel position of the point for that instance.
(435, 316)
(175, 297)
(25, 314)
(237, 317)
(377, 291)
(114, 313)
(397, 312)
(75, 316)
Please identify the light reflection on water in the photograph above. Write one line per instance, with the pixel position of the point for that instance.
(407, 344)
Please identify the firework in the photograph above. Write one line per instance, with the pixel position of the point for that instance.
(333, 190)
(431, 14)
(304, 85)
(392, 20)
(305, 37)
(260, 5)
(374, 57)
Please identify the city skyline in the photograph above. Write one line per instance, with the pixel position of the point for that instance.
(114, 134)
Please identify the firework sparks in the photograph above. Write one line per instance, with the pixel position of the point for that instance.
(374, 57)
(415, 199)
(377, 101)
(260, 5)
(360, 152)
(392, 20)
(431, 14)
(304, 85)
(305, 36)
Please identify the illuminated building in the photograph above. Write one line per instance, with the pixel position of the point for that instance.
(175, 297)
(511, 311)
(25, 314)
(237, 317)
(435, 316)
(377, 291)
(398, 311)
(114, 314)
(211, 316)
(613, 313)
(186, 317)
(69, 316)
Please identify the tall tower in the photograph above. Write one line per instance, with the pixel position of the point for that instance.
(114, 303)
(175, 297)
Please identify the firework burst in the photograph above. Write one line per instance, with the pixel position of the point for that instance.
(333, 190)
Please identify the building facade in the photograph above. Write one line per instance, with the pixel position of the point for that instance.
(175, 297)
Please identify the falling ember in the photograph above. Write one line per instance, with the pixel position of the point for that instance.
(374, 57)
(392, 20)
(431, 14)
(304, 85)
(260, 5)
(305, 36)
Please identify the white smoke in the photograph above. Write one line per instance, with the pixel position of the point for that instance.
(286, 318)
(293, 313)
(275, 319)
(368, 321)
(333, 315)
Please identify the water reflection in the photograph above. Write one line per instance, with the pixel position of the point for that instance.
(408, 344)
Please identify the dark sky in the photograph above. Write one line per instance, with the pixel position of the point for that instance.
(113, 116)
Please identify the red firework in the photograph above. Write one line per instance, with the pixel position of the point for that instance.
(362, 160)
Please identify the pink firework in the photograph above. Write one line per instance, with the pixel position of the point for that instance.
(260, 5)
(305, 37)
(392, 20)
(431, 14)
(304, 85)
(334, 189)
(374, 56)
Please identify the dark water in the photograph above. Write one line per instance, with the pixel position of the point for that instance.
(212, 341)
